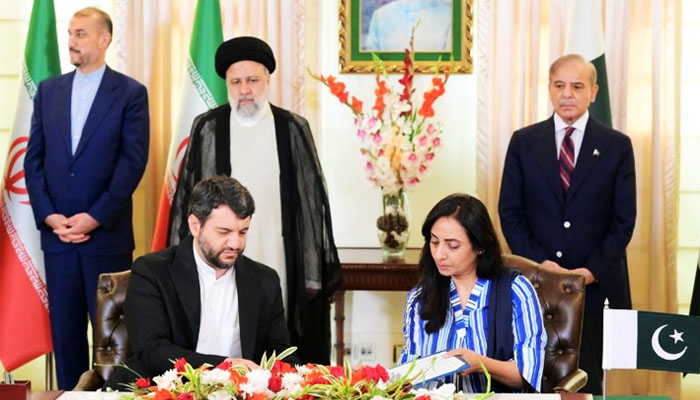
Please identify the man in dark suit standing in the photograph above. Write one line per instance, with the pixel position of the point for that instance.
(87, 152)
(568, 200)
(203, 299)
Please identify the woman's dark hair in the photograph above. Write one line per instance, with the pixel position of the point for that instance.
(435, 288)
(212, 192)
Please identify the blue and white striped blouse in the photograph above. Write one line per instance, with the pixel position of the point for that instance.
(467, 328)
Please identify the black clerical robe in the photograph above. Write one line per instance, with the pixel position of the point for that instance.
(313, 268)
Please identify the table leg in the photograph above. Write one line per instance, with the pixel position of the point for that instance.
(339, 326)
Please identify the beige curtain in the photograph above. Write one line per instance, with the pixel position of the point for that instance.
(145, 36)
(507, 59)
(512, 92)
(150, 44)
(653, 122)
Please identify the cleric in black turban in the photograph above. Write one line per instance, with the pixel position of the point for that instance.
(243, 48)
(271, 151)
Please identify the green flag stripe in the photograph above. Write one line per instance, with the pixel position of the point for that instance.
(28, 82)
(41, 59)
(668, 342)
(695, 297)
(600, 110)
(207, 35)
(201, 86)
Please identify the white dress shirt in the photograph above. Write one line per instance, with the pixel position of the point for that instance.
(577, 136)
(219, 327)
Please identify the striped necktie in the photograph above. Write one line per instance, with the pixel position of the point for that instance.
(566, 159)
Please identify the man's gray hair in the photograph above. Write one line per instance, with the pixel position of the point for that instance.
(104, 18)
(569, 58)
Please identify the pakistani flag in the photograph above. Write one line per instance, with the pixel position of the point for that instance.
(695, 299)
(585, 37)
(648, 340)
(202, 90)
(24, 306)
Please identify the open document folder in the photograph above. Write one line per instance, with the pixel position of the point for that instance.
(429, 368)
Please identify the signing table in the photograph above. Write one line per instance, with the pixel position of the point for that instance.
(366, 269)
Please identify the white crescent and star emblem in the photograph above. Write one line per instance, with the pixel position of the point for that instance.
(677, 336)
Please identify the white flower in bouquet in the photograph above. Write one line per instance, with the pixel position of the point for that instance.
(444, 392)
(257, 381)
(220, 395)
(303, 370)
(216, 376)
(168, 380)
(291, 383)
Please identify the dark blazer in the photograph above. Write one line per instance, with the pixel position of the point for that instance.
(107, 166)
(588, 227)
(162, 310)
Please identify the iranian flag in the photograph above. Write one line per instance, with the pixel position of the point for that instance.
(649, 340)
(25, 332)
(202, 90)
(585, 37)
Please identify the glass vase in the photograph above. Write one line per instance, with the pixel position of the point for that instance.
(393, 224)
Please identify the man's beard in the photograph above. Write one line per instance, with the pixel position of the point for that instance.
(212, 256)
(248, 114)
(79, 61)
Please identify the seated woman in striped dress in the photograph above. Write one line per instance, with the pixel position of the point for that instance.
(469, 303)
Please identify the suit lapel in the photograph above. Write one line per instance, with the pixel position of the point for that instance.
(594, 144)
(63, 110)
(247, 305)
(106, 94)
(184, 275)
(544, 150)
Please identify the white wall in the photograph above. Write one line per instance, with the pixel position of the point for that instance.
(375, 317)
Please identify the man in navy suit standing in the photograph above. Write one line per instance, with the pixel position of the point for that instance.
(87, 152)
(568, 200)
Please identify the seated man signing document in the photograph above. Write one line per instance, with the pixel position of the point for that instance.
(203, 299)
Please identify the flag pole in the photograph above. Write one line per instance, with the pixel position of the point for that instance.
(605, 384)
(49, 371)
(605, 371)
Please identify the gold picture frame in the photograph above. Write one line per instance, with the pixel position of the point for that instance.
(353, 21)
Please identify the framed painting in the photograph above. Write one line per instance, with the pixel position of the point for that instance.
(383, 27)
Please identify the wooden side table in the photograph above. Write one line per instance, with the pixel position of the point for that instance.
(365, 269)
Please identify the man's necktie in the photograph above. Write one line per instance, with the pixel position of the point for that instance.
(566, 159)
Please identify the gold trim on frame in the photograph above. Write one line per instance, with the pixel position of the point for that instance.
(348, 65)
